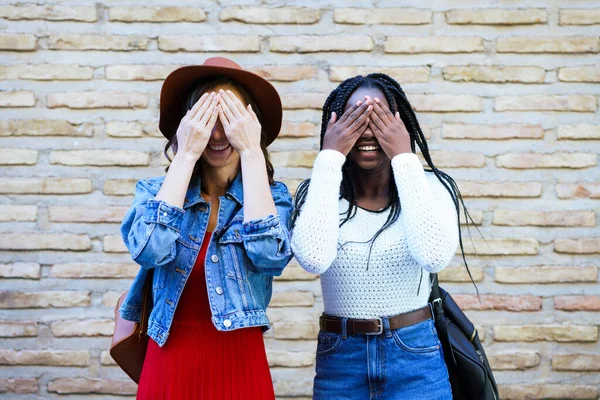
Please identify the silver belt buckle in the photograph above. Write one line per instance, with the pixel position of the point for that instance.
(380, 331)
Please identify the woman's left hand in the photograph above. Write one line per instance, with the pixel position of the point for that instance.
(242, 128)
(389, 130)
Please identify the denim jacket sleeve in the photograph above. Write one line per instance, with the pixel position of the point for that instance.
(151, 227)
(267, 240)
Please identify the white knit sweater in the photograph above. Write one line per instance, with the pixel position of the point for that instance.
(422, 240)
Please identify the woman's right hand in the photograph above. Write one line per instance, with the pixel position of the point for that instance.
(196, 126)
(342, 135)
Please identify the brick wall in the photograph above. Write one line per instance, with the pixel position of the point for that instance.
(508, 98)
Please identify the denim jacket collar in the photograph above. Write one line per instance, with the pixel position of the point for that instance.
(194, 196)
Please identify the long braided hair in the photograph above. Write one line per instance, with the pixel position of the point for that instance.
(336, 102)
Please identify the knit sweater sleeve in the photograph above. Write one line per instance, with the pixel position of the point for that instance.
(315, 234)
(428, 214)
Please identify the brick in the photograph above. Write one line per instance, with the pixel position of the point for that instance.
(85, 327)
(500, 189)
(285, 73)
(589, 190)
(103, 99)
(295, 329)
(45, 186)
(17, 42)
(294, 272)
(497, 16)
(293, 359)
(321, 43)
(498, 302)
(400, 74)
(20, 270)
(458, 273)
(119, 187)
(44, 128)
(577, 303)
(446, 103)
(106, 359)
(12, 329)
(475, 215)
(503, 246)
(156, 14)
(544, 218)
(547, 391)
(18, 156)
(100, 157)
(293, 386)
(576, 362)
(546, 274)
(138, 72)
(584, 16)
(92, 385)
(17, 213)
(382, 16)
(539, 160)
(455, 159)
(64, 358)
(18, 385)
(94, 270)
(572, 103)
(45, 299)
(298, 158)
(521, 360)
(268, 15)
(17, 98)
(133, 129)
(298, 129)
(225, 43)
(44, 241)
(578, 132)
(97, 42)
(577, 246)
(86, 214)
(550, 333)
(589, 73)
(292, 184)
(298, 298)
(49, 13)
(47, 72)
(494, 74)
(538, 44)
(110, 299)
(491, 132)
(433, 44)
(298, 101)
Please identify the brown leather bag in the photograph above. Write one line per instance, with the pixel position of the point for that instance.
(130, 339)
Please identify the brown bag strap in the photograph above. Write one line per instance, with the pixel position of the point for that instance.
(146, 302)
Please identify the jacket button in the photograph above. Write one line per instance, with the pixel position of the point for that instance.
(165, 213)
(214, 258)
(227, 323)
(219, 290)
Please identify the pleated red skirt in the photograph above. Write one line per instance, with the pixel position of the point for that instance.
(199, 362)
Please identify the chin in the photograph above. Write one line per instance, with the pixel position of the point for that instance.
(219, 162)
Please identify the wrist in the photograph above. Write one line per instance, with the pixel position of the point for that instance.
(254, 154)
(185, 159)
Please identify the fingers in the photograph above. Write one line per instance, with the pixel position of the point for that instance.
(213, 118)
(223, 117)
(348, 112)
(194, 110)
(377, 122)
(332, 120)
(383, 112)
(227, 98)
(360, 120)
(226, 110)
(362, 111)
(207, 115)
(252, 113)
(213, 98)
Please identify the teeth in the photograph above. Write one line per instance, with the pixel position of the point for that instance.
(368, 148)
(219, 148)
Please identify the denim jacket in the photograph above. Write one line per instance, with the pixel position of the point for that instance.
(241, 259)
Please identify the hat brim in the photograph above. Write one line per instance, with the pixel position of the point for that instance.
(179, 82)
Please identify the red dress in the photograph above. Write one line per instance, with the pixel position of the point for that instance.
(199, 362)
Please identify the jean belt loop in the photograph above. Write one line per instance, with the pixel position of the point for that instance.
(344, 328)
(386, 327)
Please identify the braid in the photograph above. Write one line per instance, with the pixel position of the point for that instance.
(398, 101)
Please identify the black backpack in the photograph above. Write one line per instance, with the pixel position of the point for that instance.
(470, 373)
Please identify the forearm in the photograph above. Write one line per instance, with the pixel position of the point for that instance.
(177, 180)
(258, 201)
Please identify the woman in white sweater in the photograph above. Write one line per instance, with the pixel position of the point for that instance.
(374, 224)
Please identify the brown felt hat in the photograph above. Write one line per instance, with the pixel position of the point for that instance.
(179, 82)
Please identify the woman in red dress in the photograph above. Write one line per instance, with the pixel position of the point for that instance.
(215, 231)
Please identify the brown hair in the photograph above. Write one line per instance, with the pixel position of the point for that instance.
(192, 97)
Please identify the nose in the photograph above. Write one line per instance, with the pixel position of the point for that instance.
(218, 132)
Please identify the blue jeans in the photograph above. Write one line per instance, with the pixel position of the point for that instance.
(405, 363)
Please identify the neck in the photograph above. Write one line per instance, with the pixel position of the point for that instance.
(215, 181)
(372, 183)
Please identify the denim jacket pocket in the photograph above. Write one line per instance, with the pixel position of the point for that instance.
(232, 245)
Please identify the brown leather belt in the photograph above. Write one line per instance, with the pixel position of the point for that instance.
(373, 326)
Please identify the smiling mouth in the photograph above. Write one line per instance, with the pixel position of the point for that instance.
(218, 147)
(368, 149)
